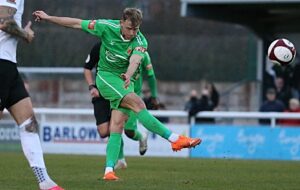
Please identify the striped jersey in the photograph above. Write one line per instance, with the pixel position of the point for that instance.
(115, 51)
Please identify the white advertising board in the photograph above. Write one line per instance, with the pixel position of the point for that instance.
(82, 138)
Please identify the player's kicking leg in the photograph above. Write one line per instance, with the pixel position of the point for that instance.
(22, 112)
(178, 142)
(151, 123)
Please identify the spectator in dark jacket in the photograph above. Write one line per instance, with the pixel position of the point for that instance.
(212, 95)
(283, 90)
(271, 105)
(208, 101)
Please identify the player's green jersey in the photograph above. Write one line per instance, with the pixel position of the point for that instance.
(143, 70)
(115, 50)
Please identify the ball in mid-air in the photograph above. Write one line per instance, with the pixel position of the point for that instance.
(282, 52)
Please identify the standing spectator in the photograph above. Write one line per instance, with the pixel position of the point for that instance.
(192, 100)
(283, 91)
(294, 107)
(296, 78)
(208, 101)
(213, 95)
(270, 105)
(152, 103)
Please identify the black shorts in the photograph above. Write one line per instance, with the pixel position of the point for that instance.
(12, 87)
(102, 110)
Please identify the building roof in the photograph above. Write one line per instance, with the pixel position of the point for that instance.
(265, 17)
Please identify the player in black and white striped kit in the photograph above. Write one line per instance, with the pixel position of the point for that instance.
(13, 95)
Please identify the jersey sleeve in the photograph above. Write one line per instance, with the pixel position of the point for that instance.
(147, 65)
(94, 27)
(140, 46)
(9, 3)
(149, 71)
(93, 58)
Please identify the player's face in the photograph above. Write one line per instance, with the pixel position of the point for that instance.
(127, 30)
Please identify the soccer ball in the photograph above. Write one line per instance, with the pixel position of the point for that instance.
(282, 52)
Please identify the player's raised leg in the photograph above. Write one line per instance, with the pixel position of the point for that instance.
(22, 112)
(135, 103)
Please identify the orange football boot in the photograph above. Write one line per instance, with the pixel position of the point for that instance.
(110, 176)
(185, 142)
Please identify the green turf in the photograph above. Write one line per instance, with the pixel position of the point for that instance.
(84, 173)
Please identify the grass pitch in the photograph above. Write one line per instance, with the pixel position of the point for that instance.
(75, 172)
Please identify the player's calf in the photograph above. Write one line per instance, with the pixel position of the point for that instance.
(33, 152)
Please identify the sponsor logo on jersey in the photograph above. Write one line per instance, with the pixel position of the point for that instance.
(91, 25)
(112, 43)
(11, 1)
(111, 57)
(129, 51)
(141, 49)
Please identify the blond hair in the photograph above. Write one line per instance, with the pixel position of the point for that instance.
(294, 101)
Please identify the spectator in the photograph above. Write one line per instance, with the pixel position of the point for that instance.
(294, 107)
(153, 104)
(296, 78)
(150, 102)
(213, 95)
(208, 101)
(270, 105)
(283, 91)
(192, 100)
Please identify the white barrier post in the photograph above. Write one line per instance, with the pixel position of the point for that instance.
(273, 122)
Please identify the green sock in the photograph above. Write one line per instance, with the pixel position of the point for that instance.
(152, 124)
(137, 135)
(121, 153)
(113, 149)
(131, 124)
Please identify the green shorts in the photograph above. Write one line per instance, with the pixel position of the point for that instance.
(111, 87)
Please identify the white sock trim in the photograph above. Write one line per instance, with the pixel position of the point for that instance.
(108, 169)
(173, 137)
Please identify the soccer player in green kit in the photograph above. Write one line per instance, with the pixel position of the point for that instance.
(123, 49)
(102, 108)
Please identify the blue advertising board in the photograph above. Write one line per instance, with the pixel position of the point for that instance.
(247, 142)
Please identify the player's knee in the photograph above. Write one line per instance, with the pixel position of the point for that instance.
(129, 133)
(103, 135)
(138, 105)
(30, 125)
(141, 105)
(103, 130)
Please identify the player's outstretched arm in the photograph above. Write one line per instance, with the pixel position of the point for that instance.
(134, 63)
(63, 21)
(9, 25)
